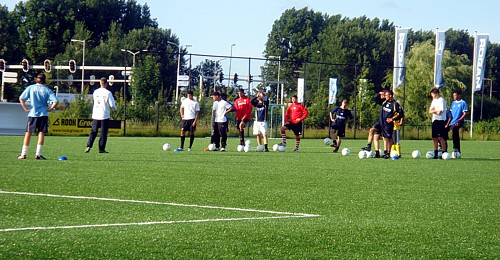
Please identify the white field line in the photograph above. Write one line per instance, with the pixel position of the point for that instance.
(284, 214)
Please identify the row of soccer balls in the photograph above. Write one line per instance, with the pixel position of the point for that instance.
(240, 148)
(414, 154)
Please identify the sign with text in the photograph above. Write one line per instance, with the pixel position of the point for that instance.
(79, 127)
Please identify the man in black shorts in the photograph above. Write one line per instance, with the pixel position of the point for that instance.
(190, 108)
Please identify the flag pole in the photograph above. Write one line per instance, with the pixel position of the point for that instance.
(472, 86)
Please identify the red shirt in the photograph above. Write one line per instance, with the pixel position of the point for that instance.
(243, 107)
(296, 113)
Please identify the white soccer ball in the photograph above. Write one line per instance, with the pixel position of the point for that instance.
(327, 141)
(275, 147)
(346, 152)
(247, 149)
(429, 155)
(260, 148)
(166, 147)
(281, 148)
(445, 156)
(362, 155)
(240, 148)
(248, 143)
(455, 155)
(370, 154)
(211, 147)
(415, 154)
(394, 153)
(440, 153)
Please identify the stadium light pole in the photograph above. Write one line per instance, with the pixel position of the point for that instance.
(178, 66)
(230, 59)
(83, 61)
(282, 91)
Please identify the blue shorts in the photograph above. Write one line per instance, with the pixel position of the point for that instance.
(38, 124)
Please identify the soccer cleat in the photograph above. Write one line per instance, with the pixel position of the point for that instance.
(334, 143)
(103, 151)
(87, 150)
(386, 156)
(296, 150)
(216, 149)
(266, 150)
(282, 144)
(40, 157)
(21, 157)
(222, 149)
(336, 149)
(178, 150)
(189, 149)
(367, 148)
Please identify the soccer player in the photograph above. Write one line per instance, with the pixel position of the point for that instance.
(437, 109)
(243, 107)
(103, 103)
(458, 111)
(294, 117)
(261, 104)
(190, 109)
(220, 108)
(376, 130)
(339, 117)
(38, 117)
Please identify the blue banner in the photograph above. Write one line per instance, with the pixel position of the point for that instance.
(438, 59)
(480, 46)
(332, 93)
(399, 57)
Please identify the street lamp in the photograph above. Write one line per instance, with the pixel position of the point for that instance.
(319, 70)
(282, 90)
(83, 61)
(230, 59)
(133, 54)
(215, 69)
(178, 66)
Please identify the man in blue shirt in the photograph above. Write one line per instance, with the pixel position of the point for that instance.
(458, 111)
(38, 117)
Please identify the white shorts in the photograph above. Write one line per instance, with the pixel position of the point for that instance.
(259, 128)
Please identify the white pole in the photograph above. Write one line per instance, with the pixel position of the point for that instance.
(472, 87)
(178, 72)
(83, 66)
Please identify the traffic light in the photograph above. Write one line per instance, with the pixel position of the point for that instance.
(221, 77)
(26, 65)
(72, 66)
(2, 65)
(250, 78)
(235, 79)
(47, 65)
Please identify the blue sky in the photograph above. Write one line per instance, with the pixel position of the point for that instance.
(213, 26)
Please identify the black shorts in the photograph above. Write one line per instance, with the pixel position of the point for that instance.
(38, 124)
(378, 128)
(438, 129)
(384, 129)
(238, 122)
(296, 128)
(339, 129)
(187, 125)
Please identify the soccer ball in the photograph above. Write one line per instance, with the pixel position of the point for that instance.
(240, 148)
(281, 148)
(415, 154)
(260, 148)
(455, 155)
(429, 155)
(275, 147)
(211, 147)
(362, 155)
(440, 153)
(327, 141)
(247, 149)
(370, 154)
(445, 156)
(166, 147)
(346, 152)
(394, 153)
(248, 143)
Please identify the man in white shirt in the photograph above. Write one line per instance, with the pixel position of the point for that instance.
(190, 109)
(103, 103)
(437, 109)
(220, 108)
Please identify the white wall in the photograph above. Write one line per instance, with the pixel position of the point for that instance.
(13, 119)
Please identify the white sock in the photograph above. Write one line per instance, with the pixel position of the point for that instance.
(24, 151)
(38, 149)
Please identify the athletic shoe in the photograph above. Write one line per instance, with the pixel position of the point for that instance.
(282, 144)
(189, 149)
(216, 149)
(178, 150)
(87, 150)
(334, 143)
(336, 149)
(386, 156)
(377, 155)
(367, 148)
(266, 150)
(40, 157)
(222, 149)
(103, 151)
(296, 150)
(21, 157)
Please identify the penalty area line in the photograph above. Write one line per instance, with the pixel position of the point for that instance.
(152, 223)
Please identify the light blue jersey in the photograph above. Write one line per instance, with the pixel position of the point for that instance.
(38, 95)
(457, 109)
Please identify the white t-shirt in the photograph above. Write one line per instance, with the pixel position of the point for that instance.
(103, 102)
(439, 104)
(190, 108)
(219, 109)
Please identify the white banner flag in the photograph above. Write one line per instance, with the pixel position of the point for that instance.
(300, 90)
(399, 57)
(480, 46)
(438, 59)
(332, 93)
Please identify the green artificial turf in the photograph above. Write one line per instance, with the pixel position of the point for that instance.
(370, 208)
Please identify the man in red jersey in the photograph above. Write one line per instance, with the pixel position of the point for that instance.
(294, 116)
(243, 106)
